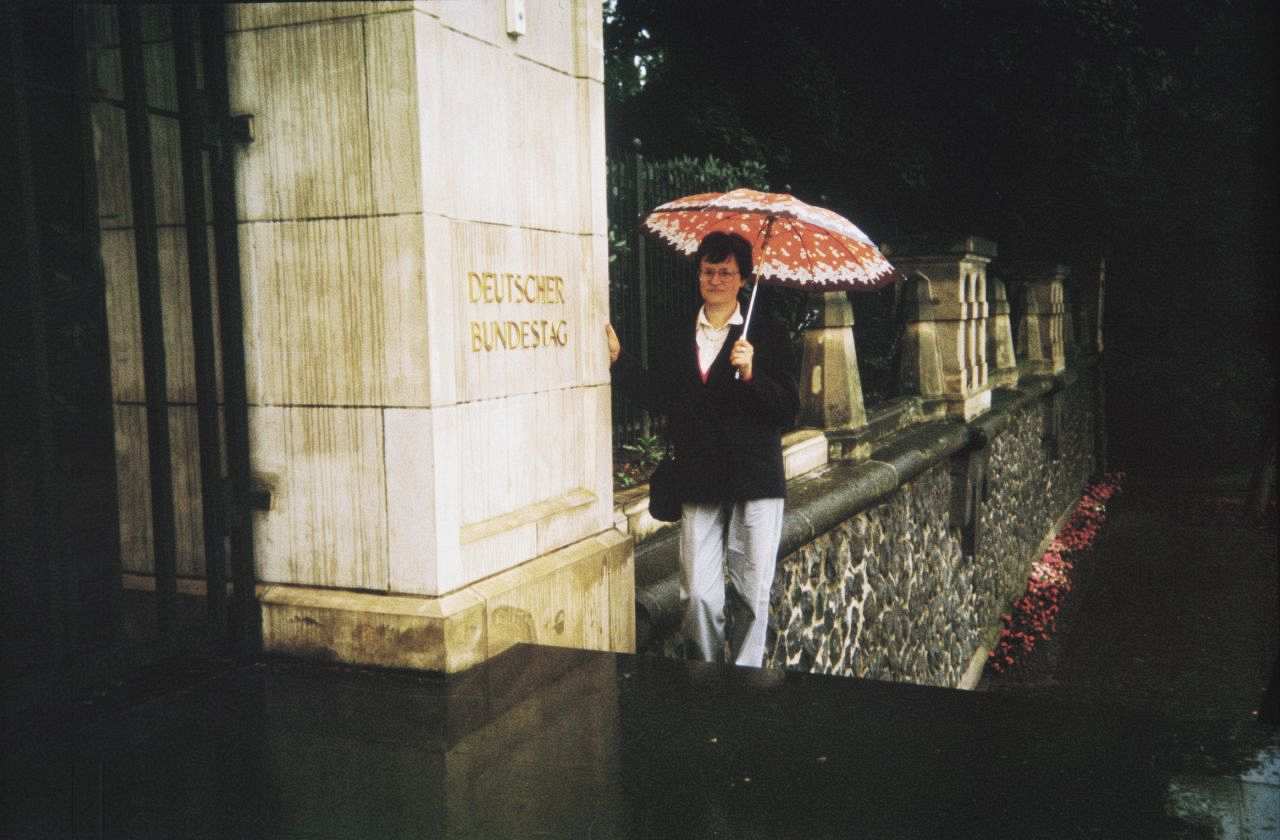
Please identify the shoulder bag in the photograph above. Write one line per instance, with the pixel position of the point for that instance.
(664, 494)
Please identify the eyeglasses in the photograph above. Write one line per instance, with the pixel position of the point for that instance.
(722, 273)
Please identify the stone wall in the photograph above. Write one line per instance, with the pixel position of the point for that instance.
(1028, 490)
(904, 585)
(885, 595)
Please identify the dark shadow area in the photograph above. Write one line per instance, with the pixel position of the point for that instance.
(561, 743)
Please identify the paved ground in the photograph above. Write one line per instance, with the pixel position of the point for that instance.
(1135, 723)
(546, 742)
(1175, 615)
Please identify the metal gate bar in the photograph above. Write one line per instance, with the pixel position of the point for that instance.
(212, 492)
(245, 625)
(142, 181)
(43, 498)
(91, 236)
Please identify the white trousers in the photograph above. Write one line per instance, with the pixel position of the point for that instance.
(737, 540)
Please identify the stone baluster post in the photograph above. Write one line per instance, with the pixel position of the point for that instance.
(1102, 287)
(944, 343)
(1041, 349)
(1000, 354)
(1086, 300)
(1070, 321)
(830, 387)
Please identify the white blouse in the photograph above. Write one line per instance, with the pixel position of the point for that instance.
(711, 340)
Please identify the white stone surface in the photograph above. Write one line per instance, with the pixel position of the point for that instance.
(166, 169)
(803, 452)
(307, 89)
(242, 16)
(554, 33)
(503, 550)
(589, 41)
(578, 299)
(391, 65)
(423, 481)
(188, 516)
(111, 156)
(124, 331)
(516, 158)
(327, 522)
(597, 160)
(335, 312)
(524, 451)
(175, 303)
(401, 149)
(133, 488)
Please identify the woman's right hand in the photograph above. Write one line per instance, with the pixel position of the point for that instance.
(615, 346)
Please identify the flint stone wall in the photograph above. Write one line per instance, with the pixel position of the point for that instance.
(887, 592)
(885, 595)
(1029, 490)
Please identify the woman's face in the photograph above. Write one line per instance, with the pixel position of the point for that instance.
(719, 282)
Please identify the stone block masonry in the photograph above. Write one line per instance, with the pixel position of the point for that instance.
(886, 594)
(424, 263)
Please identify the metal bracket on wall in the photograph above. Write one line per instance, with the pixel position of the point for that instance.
(968, 491)
(240, 128)
(258, 496)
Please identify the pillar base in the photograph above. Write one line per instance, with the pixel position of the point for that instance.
(1041, 367)
(1004, 377)
(969, 407)
(580, 596)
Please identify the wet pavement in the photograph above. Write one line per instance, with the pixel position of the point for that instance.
(1176, 617)
(546, 742)
(1135, 722)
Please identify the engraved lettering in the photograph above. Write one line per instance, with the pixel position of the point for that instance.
(508, 289)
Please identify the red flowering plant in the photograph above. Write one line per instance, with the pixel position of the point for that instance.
(1034, 615)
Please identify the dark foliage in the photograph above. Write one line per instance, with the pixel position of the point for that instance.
(1062, 129)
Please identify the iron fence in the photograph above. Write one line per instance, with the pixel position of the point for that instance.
(650, 286)
(120, 185)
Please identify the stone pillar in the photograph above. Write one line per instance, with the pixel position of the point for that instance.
(1070, 347)
(1000, 356)
(1086, 300)
(944, 344)
(423, 244)
(1041, 349)
(1099, 300)
(830, 387)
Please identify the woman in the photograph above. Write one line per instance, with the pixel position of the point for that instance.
(727, 436)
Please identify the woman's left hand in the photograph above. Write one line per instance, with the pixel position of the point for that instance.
(740, 357)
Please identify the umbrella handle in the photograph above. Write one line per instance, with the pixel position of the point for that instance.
(737, 374)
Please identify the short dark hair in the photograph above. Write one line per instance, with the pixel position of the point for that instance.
(717, 246)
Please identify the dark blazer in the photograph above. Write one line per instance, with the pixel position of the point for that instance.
(727, 434)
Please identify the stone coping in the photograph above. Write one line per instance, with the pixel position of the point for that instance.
(821, 499)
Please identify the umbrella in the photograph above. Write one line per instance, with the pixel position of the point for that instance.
(792, 243)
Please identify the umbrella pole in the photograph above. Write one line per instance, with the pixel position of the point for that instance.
(750, 306)
(737, 374)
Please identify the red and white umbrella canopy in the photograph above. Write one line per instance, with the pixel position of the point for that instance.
(793, 243)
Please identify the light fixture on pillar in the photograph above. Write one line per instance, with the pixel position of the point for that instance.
(515, 18)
